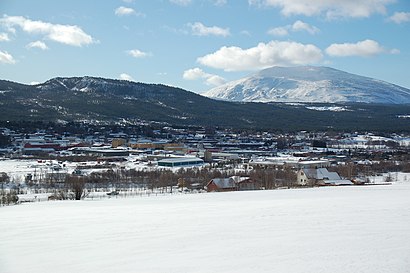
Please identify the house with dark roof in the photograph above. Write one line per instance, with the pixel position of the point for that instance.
(233, 183)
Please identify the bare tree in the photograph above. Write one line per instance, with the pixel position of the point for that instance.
(77, 185)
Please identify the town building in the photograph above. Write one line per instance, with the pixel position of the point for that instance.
(233, 183)
(180, 162)
(320, 177)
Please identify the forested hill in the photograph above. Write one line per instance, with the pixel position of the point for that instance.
(98, 99)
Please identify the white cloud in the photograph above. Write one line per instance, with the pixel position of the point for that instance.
(246, 33)
(400, 17)
(200, 30)
(330, 8)
(296, 26)
(302, 26)
(128, 1)
(65, 34)
(193, 74)
(121, 11)
(34, 83)
(6, 58)
(274, 53)
(181, 2)
(364, 48)
(279, 31)
(215, 80)
(189, 2)
(37, 44)
(136, 53)
(126, 77)
(395, 51)
(4, 37)
(197, 73)
(220, 2)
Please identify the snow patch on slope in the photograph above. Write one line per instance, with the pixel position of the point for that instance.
(328, 108)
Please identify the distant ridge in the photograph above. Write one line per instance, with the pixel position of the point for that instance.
(310, 84)
(101, 101)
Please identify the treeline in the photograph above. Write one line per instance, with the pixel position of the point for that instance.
(76, 186)
(8, 198)
(352, 170)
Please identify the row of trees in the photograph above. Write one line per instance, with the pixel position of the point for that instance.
(351, 170)
(77, 187)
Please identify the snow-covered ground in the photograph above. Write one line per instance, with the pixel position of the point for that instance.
(334, 229)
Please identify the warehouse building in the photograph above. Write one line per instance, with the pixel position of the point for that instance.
(180, 162)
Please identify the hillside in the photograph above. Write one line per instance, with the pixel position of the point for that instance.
(105, 100)
(310, 84)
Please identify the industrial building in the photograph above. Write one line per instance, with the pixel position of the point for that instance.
(180, 162)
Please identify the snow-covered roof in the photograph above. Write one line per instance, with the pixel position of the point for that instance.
(224, 183)
(181, 159)
(239, 179)
(230, 182)
(321, 173)
(339, 182)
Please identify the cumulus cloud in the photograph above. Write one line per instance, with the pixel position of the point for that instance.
(296, 26)
(136, 53)
(364, 48)
(181, 2)
(65, 34)
(193, 74)
(400, 17)
(330, 8)
(37, 44)
(121, 11)
(302, 26)
(4, 37)
(197, 73)
(6, 58)
(200, 30)
(215, 80)
(274, 53)
(279, 31)
(126, 77)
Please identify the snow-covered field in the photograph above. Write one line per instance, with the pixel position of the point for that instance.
(334, 229)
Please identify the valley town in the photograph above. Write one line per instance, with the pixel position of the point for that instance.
(42, 162)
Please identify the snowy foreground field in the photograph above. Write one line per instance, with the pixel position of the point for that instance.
(343, 229)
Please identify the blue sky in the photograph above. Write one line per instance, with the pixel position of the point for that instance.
(199, 44)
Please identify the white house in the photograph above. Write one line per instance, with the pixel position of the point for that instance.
(320, 177)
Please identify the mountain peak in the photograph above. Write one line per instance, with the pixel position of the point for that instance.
(309, 84)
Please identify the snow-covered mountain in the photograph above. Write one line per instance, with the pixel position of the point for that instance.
(309, 84)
